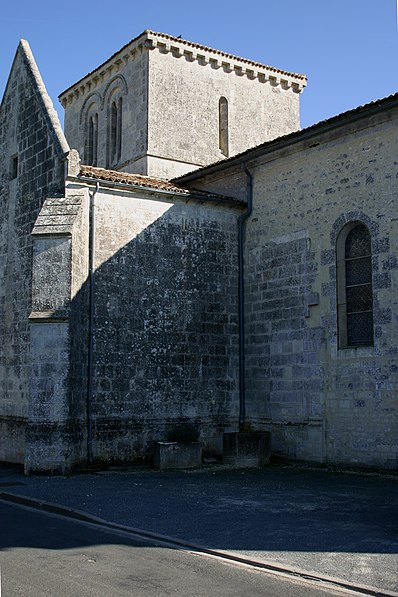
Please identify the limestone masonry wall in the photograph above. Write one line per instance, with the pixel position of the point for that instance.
(323, 403)
(170, 96)
(128, 81)
(165, 325)
(163, 320)
(59, 335)
(31, 167)
(184, 112)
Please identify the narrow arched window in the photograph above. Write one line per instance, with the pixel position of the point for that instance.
(223, 126)
(354, 293)
(92, 140)
(119, 130)
(115, 132)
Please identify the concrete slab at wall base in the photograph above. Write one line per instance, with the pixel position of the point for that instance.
(173, 455)
(247, 449)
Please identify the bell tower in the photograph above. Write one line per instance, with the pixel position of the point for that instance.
(163, 106)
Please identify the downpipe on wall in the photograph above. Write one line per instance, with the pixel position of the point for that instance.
(241, 294)
(91, 313)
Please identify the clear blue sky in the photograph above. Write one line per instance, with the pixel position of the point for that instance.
(347, 48)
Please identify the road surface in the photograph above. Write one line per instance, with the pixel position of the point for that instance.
(44, 555)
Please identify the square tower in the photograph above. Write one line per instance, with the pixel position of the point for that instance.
(163, 106)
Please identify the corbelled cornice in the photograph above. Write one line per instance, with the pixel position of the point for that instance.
(181, 48)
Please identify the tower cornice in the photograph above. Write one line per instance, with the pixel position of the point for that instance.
(183, 49)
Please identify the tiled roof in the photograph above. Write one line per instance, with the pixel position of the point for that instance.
(189, 44)
(138, 180)
(150, 182)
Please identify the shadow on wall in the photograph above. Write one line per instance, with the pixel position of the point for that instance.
(165, 336)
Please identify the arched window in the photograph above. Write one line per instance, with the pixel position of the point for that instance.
(92, 140)
(114, 94)
(354, 286)
(223, 126)
(115, 132)
(89, 121)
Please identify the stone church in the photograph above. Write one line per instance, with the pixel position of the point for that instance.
(184, 252)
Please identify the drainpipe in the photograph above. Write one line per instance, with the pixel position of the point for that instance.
(91, 309)
(241, 295)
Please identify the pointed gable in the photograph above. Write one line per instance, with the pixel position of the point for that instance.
(32, 167)
(24, 58)
(32, 143)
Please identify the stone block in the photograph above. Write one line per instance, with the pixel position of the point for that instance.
(173, 455)
(247, 449)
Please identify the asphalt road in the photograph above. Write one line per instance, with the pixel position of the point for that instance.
(43, 555)
(329, 523)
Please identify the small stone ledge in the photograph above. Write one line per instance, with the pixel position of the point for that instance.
(50, 316)
(56, 231)
(57, 216)
(247, 449)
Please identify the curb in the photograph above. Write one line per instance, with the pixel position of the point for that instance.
(286, 570)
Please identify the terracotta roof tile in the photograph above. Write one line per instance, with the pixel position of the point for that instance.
(150, 182)
(138, 180)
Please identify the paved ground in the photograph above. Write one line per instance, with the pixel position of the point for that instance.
(329, 523)
(56, 556)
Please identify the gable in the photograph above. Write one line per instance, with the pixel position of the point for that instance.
(32, 164)
(31, 138)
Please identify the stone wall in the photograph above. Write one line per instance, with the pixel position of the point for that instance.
(184, 112)
(321, 402)
(32, 151)
(165, 324)
(59, 335)
(170, 91)
(129, 82)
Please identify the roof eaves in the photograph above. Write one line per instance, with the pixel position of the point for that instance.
(133, 182)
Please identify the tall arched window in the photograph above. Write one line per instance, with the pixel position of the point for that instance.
(354, 286)
(114, 94)
(89, 120)
(223, 126)
(115, 131)
(92, 140)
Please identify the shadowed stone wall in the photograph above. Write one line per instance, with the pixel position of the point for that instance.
(321, 402)
(31, 167)
(59, 335)
(165, 335)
